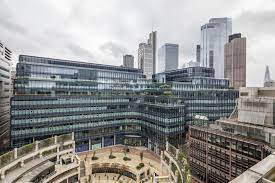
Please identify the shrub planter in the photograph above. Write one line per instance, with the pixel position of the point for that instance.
(112, 157)
(126, 159)
(94, 158)
(140, 166)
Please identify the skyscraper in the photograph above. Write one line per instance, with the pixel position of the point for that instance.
(147, 55)
(153, 42)
(128, 61)
(268, 82)
(5, 92)
(235, 61)
(214, 35)
(198, 53)
(168, 57)
(145, 59)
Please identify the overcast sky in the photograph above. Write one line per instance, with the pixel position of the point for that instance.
(101, 31)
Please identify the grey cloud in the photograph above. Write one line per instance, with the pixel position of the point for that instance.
(80, 52)
(82, 30)
(113, 49)
(13, 27)
(256, 23)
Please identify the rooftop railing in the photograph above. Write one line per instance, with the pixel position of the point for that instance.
(17, 153)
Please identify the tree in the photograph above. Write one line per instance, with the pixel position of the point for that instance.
(141, 156)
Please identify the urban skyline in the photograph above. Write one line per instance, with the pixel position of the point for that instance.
(48, 41)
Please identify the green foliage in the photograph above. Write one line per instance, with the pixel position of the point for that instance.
(46, 142)
(167, 93)
(94, 158)
(165, 86)
(25, 149)
(46, 153)
(140, 166)
(6, 158)
(112, 157)
(126, 158)
(65, 137)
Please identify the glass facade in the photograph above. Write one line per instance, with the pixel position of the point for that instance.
(106, 105)
(214, 35)
(168, 57)
(5, 93)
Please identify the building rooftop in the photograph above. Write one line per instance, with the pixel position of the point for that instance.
(214, 130)
(54, 61)
(264, 171)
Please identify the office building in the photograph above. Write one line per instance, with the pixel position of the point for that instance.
(128, 61)
(168, 57)
(182, 75)
(255, 115)
(102, 104)
(153, 42)
(222, 151)
(198, 53)
(145, 59)
(106, 105)
(147, 55)
(268, 82)
(235, 61)
(214, 35)
(217, 156)
(5, 89)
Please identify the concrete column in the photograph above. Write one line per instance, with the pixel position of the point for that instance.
(114, 139)
(2, 174)
(72, 135)
(21, 163)
(57, 151)
(157, 148)
(15, 153)
(166, 146)
(176, 175)
(177, 153)
(102, 142)
(149, 144)
(138, 178)
(161, 162)
(36, 145)
(170, 169)
(55, 139)
(90, 144)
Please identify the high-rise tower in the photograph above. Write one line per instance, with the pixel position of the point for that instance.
(147, 55)
(168, 57)
(235, 61)
(268, 82)
(153, 42)
(128, 61)
(214, 35)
